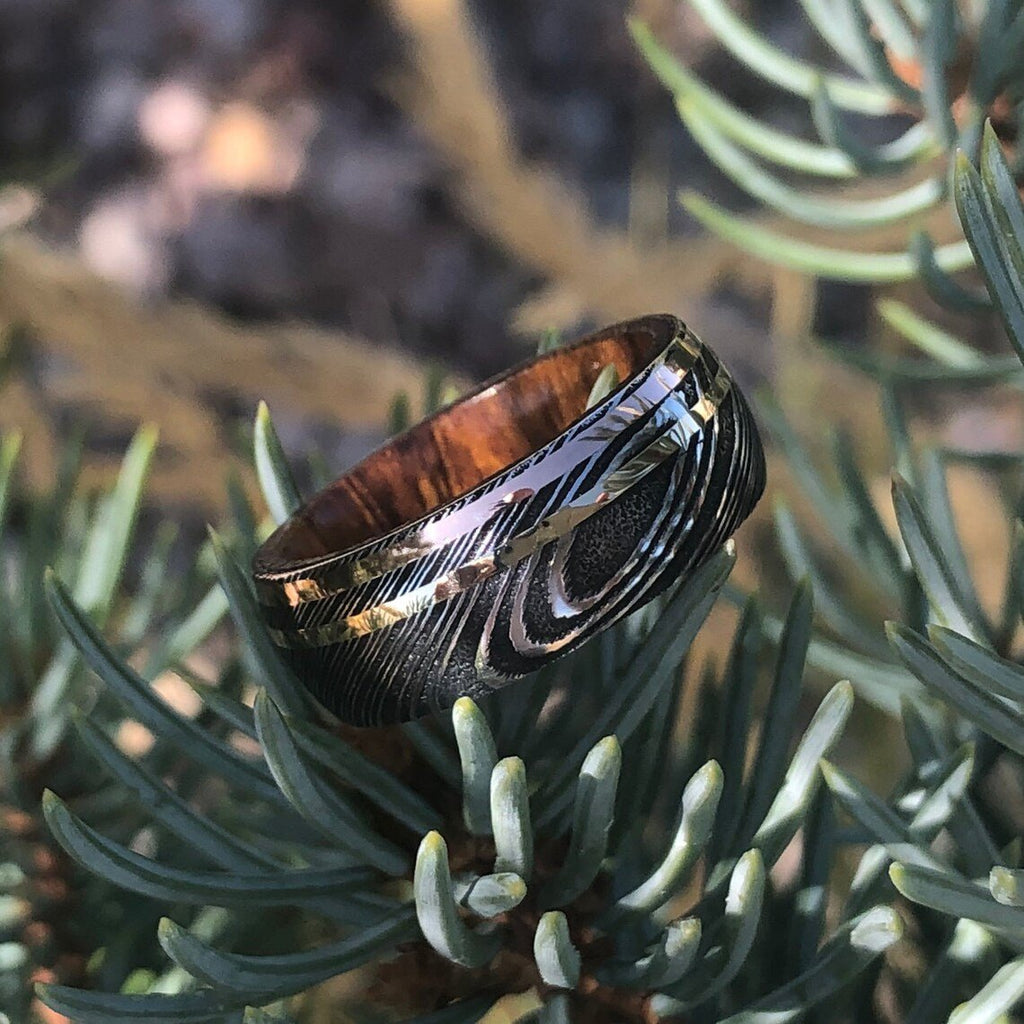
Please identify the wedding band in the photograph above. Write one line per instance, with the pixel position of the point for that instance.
(511, 526)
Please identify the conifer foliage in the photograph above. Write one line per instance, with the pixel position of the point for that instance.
(572, 848)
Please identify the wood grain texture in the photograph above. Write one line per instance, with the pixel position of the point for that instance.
(492, 427)
(510, 527)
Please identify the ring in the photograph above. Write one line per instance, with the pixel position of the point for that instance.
(511, 526)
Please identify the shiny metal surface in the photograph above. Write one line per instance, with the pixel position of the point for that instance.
(525, 566)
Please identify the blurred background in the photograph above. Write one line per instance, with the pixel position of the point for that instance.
(208, 202)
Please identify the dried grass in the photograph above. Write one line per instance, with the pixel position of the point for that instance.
(173, 364)
(451, 94)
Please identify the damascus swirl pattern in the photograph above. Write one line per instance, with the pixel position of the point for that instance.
(509, 528)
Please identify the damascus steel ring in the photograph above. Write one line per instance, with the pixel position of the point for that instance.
(508, 528)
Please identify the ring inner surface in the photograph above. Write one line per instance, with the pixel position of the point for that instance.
(459, 447)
